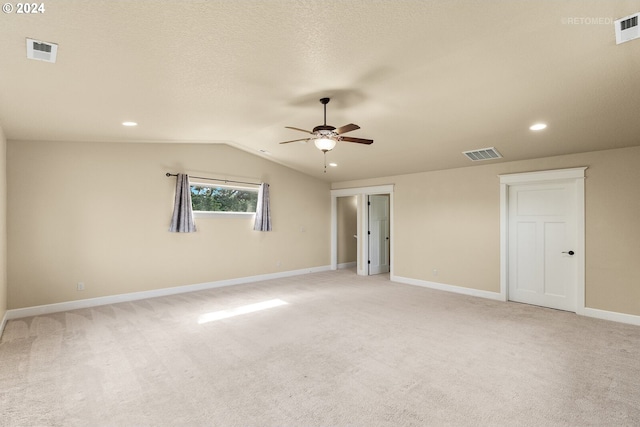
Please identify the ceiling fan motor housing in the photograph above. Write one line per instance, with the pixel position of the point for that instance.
(323, 127)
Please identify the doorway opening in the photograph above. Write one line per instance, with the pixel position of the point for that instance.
(342, 236)
(347, 231)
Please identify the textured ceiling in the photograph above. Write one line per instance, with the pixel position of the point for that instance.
(425, 79)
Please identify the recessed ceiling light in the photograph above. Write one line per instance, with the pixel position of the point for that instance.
(130, 124)
(538, 126)
(333, 165)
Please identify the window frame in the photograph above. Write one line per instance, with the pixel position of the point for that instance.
(228, 214)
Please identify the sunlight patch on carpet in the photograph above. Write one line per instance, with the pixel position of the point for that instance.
(245, 309)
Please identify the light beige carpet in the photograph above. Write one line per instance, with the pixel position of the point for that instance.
(344, 351)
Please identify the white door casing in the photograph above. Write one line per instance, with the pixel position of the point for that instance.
(378, 234)
(542, 216)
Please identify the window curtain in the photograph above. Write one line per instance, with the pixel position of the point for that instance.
(263, 209)
(182, 219)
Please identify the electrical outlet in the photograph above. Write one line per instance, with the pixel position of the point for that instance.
(80, 286)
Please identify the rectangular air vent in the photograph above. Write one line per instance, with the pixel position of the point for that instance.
(627, 28)
(41, 51)
(483, 154)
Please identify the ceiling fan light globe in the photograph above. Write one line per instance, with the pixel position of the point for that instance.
(325, 144)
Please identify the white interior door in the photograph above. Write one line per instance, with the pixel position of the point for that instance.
(379, 227)
(542, 242)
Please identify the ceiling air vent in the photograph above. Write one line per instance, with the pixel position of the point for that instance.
(627, 28)
(483, 154)
(41, 51)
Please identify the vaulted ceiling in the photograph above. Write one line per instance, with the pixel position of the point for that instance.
(426, 80)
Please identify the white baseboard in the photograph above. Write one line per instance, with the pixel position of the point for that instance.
(449, 288)
(589, 312)
(133, 296)
(93, 302)
(611, 315)
(347, 265)
(2, 323)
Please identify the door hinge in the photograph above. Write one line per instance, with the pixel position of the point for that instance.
(369, 262)
(368, 232)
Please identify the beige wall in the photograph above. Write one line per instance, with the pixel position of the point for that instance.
(3, 226)
(347, 223)
(98, 213)
(450, 221)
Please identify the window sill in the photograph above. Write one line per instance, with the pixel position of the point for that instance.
(205, 214)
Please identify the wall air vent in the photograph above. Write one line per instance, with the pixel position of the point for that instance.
(627, 28)
(41, 51)
(483, 154)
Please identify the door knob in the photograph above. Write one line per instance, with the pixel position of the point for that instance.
(569, 252)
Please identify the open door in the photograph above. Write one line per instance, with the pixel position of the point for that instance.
(378, 233)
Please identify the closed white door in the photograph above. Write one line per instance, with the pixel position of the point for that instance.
(379, 227)
(542, 244)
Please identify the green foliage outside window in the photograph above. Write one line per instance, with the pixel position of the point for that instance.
(222, 199)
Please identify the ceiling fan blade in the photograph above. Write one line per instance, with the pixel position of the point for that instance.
(301, 130)
(347, 128)
(357, 140)
(293, 140)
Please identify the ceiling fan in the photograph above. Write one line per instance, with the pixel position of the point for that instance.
(325, 137)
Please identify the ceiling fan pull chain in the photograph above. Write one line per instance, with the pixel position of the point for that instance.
(325, 161)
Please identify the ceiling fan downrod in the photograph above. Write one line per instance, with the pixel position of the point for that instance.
(324, 102)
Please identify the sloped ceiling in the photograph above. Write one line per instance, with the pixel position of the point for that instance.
(425, 79)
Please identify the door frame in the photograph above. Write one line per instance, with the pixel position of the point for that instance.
(363, 224)
(542, 177)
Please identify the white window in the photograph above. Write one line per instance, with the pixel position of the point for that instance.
(215, 198)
